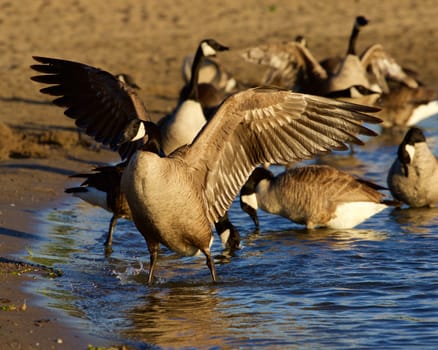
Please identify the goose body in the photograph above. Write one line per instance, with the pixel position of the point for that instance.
(175, 200)
(413, 177)
(315, 196)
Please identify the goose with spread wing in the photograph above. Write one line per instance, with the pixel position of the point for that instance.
(176, 199)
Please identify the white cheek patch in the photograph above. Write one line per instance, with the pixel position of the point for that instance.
(251, 200)
(411, 151)
(224, 236)
(207, 50)
(141, 132)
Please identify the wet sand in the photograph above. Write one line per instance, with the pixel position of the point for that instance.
(39, 147)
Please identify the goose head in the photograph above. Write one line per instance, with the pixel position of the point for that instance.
(248, 196)
(406, 150)
(206, 48)
(144, 135)
(228, 233)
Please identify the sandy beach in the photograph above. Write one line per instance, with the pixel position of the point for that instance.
(40, 147)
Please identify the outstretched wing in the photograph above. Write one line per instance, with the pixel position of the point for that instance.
(101, 104)
(268, 126)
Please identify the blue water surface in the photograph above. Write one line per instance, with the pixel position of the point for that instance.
(375, 286)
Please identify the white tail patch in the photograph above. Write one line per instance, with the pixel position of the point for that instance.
(251, 200)
(351, 214)
(94, 197)
(423, 112)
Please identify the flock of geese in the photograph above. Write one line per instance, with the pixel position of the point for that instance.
(240, 111)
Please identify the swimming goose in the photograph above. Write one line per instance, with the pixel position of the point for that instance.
(175, 200)
(315, 196)
(413, 177)
(181, 127)
(102, 188)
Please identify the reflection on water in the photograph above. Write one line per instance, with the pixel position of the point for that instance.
(370, 287)
(180, 316)
(417, 220)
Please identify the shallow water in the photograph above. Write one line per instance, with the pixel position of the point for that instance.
(375, 286)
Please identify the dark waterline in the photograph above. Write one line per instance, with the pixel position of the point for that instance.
(371, 287)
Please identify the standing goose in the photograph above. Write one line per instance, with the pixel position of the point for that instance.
(181, 127)
(315, 196)
(102, 188)
(404, 101)
(413, 177)
(175, 200)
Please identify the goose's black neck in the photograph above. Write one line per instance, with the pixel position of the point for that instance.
(358, 23)
(193, 93)
(153, 143)
(257, 175)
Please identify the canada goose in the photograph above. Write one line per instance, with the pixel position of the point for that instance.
(315, 196)
(102, 188)
(210, 73)
(181, 127)
(175, 200)
(288, 65)
(381, 81)
(413, 177)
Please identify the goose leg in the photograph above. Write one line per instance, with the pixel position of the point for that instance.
(210, 263)
(153, 252)
(109, 237)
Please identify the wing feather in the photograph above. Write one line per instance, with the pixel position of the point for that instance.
(101, 104)
(265, 125)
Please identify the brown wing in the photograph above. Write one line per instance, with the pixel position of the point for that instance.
(382, 66)
(283, 65)
(268, 126)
